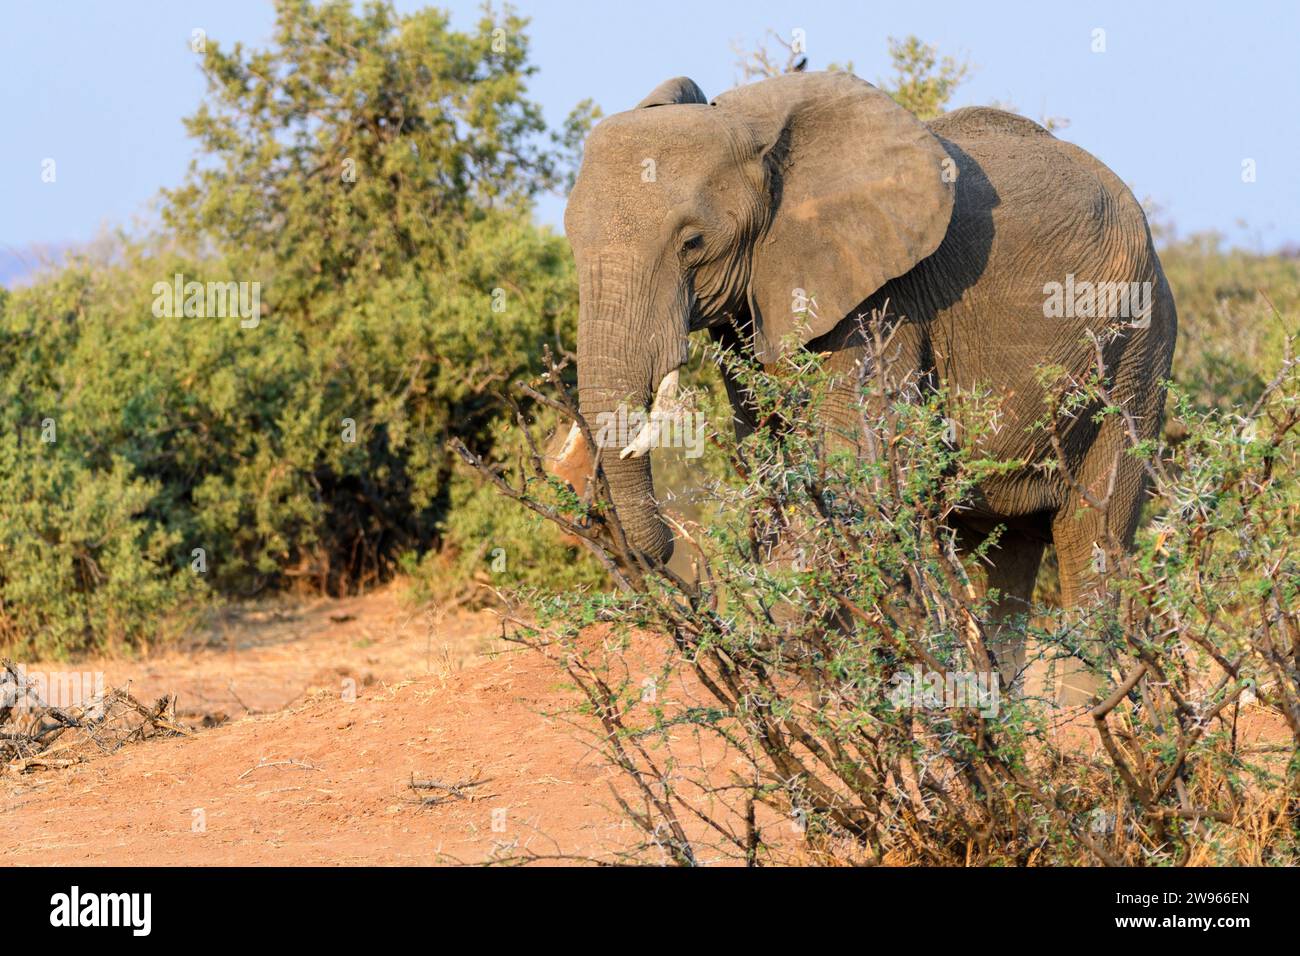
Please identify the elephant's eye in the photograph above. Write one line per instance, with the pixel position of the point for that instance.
(692, 243)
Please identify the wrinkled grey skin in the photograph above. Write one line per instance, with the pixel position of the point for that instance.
(820, 182)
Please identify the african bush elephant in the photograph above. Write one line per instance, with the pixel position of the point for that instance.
(979, 229)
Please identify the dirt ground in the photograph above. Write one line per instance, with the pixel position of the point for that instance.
(296, 773)
(312, 719)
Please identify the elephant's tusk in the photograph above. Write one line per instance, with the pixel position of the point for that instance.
(665, 396)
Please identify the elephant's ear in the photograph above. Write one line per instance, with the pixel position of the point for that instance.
(859, 196)
(680, 89)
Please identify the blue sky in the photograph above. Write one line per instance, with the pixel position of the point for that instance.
(1184, 92)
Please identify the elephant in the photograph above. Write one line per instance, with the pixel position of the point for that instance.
(976, 230)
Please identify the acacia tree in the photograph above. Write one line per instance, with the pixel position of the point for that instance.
(360, 141)
(923, 82)
(375, 172)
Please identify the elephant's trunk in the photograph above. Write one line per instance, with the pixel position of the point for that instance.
(624, 356)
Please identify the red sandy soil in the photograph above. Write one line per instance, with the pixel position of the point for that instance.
(300, 776)
(284, 769)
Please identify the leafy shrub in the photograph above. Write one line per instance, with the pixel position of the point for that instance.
(373, 174)
(829, 580)
(1230, 332)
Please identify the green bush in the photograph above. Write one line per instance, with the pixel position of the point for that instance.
(401, 281)
(1230, 328)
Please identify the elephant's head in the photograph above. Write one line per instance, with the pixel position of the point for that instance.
(780, 206)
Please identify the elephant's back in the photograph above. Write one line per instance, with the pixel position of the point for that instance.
(1047, 202)
(984, 119)
(1031, 213)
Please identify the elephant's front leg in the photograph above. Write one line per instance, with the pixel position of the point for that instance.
(1007, 576)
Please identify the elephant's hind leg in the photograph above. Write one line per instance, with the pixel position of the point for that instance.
(1086, 538)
